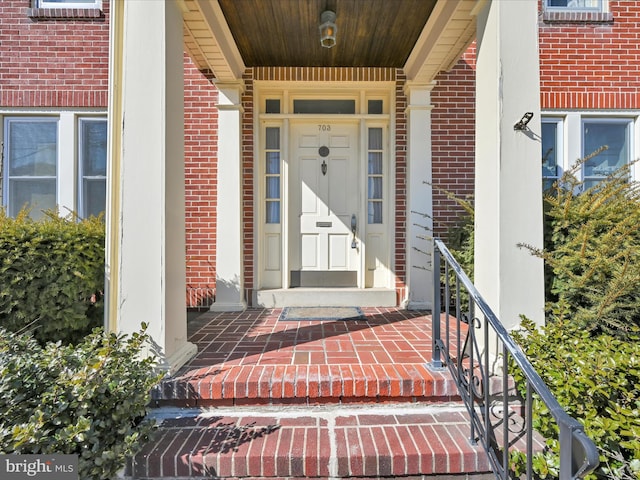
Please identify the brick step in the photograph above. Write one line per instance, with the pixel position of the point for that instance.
(305, 384)
(335, 441)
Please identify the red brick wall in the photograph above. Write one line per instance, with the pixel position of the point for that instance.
(453, 141)
(61, 62)
(201, 165)
(248, 209)
(400, 236)
(592, 65)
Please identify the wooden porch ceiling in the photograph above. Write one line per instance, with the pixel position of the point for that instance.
(421, 36)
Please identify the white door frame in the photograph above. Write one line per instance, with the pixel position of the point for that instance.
(285, 93)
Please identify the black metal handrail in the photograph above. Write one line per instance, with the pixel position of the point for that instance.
(479, 386)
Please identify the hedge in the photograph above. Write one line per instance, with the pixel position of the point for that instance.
(51, 275)
(89, 400)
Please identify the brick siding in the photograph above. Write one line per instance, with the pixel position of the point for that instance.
(248, 194)
(201, 166)
(453, 141)
(400, 232)
(592, 64)
(53, 62)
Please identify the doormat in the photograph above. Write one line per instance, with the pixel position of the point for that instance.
(321, 313)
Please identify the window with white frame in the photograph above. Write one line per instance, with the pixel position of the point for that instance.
(272, 175)
(375, 178)
(92, 166)
(574, 135)
(575, 5)
(54, 161)
(551, 151)
(68, 3)
(615, 135)
(31, 156)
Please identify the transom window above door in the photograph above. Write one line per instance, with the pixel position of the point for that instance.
(322, 106)
(337, 107)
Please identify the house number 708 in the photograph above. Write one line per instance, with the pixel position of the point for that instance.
(324, 128)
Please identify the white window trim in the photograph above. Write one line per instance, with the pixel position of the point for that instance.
(571, 140)
(68, 155)
(86, 4)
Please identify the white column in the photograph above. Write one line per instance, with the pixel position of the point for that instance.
(508, 195)
(229, 264)
(146, 233)
(419, 196)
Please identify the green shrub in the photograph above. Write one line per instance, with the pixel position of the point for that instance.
(592, 253)
(51, 275)
(88, 400)
(597, 380)
(461, 238)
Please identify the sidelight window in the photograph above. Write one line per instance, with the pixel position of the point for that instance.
(272, 175)
(375, 178)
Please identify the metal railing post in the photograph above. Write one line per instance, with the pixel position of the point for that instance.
(436, 360)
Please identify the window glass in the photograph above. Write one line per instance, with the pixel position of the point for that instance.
(273, 163)
(33, 148)
(375, 177)
(272, 105)
(69, 3)
(612, 134)
(94, 196)
(550, 153)
(31, 151)
(324, 106)
(581, 5)
(38, 195)
(273, 138)
(272, 174)
(93, 166)
(374, 107)
(273, 187)
(375, 163)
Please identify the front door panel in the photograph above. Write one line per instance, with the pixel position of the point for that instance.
(323, 199)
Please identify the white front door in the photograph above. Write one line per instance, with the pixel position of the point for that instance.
(323, 204)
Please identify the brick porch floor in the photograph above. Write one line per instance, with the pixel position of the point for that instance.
(253, 357)
(266, 398)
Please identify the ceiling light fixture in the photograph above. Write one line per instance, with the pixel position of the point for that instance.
(328, 29)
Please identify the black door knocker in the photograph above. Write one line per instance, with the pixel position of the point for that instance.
(323, 152)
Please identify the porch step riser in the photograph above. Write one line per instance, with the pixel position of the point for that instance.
(332, 443)
(328, 297)
(260, 385)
